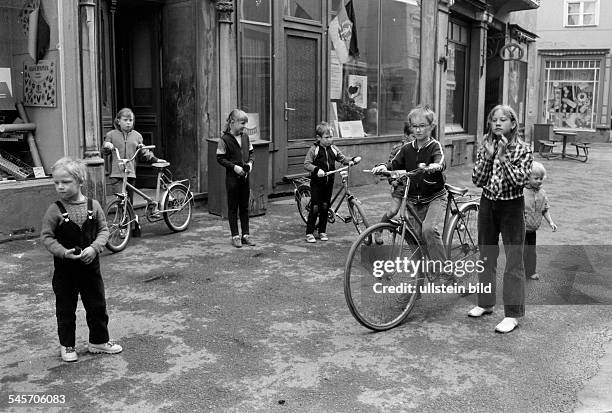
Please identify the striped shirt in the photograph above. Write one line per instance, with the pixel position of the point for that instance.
(503, 179)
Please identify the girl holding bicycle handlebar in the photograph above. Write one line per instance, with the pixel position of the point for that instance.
(322, 158)
(126, 140)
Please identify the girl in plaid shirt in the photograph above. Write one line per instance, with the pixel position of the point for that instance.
(502, 169)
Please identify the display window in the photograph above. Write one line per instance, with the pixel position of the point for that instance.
(570, 92)
(374, 65)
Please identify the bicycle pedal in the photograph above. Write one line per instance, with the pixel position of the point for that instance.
(347, 219)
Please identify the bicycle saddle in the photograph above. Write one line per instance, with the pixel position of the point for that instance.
(456, 190)
(160, 164)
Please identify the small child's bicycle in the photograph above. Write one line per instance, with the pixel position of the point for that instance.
(388, 263)
(302, 199)
(172, 203)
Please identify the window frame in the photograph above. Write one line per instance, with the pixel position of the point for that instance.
(460, 128)
(580, 14)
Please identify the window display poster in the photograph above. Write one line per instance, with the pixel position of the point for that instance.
(358, 90)
(252, 126)
(39, 85)
(335, 77)
(571, 104)
(351, 129)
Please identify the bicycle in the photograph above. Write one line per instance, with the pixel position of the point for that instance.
(356, 215)
(173, 203)
(381, 295)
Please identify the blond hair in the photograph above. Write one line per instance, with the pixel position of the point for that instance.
(75, 168)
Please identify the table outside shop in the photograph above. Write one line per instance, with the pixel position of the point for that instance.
(566, 134)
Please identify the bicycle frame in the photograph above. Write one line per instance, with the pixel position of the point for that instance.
(343, 193)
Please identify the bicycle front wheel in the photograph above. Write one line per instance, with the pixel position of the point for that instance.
(462, 246)
(119, 216)
(177, 203)
(302, 199)
(380, 281)
(357, 215)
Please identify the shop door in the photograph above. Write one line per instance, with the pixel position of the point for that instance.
(302, 103)
(138, 52)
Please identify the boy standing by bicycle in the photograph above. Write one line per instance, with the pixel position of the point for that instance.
(321, 158)
(74, 231)
(127, 141)
(426, 193)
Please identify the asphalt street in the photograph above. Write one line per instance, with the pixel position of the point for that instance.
(207, 327)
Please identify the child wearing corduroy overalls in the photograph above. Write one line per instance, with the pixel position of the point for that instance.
(74, 230)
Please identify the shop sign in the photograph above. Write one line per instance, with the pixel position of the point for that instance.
(39, 84)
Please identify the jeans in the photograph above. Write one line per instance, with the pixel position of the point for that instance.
(529, 254)
(432, 215)
(505, 218)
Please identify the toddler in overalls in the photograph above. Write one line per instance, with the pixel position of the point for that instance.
(74, 231)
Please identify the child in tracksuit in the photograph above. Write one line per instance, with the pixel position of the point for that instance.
(74, 230)
(235, 154)
(321, 158)
(536, 207)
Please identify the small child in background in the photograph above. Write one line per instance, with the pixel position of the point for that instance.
(536, 207)
(322, 158)
(74, 231)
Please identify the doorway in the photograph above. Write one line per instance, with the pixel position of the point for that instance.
(137, 48)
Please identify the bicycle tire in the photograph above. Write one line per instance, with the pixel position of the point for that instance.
(119, 216)
(357, 215)
(462, 245)
(372, 308)
(302, 200)
(178, 196)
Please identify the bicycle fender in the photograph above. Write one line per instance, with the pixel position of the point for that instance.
(174, 185)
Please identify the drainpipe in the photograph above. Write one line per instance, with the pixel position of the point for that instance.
(227, 63)
(95, 187)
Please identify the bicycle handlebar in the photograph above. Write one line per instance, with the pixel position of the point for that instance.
(344, 168)
(125, 160)
(398, 173)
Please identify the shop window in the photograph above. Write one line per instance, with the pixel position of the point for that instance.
(303, 9)
(255, 69)
(581, 13)
(570, 92)
(456, 77)
(28, 75)
(373, 65)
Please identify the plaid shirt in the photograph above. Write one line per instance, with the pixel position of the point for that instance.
(503, 180)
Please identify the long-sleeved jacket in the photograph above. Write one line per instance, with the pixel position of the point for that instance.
(324, 158)
(127, 144)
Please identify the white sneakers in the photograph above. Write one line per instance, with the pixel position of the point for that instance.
(480, 311)
(69, 354)
(108, 348)
(505, 326)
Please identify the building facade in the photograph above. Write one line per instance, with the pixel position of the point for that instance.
(182, 65)
(574, 63)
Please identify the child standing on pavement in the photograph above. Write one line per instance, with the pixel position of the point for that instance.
(536, 207)
(74, 231)
(127, 141)
(502, 168)
(321, 158)
(235, 154)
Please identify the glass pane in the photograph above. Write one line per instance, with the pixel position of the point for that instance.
(256, 10)
(399, 65)
(570, 104)
(301, 87)
(255, 78)
(354, 83)
(455, 85)
(588, 19)
(589, 7)
(304, 9)
(572, 20)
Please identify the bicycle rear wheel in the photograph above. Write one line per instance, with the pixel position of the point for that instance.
(119, 216)
(380, 293)
(179, 199)
(302, 199)
(357, 215)
(462, 246)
